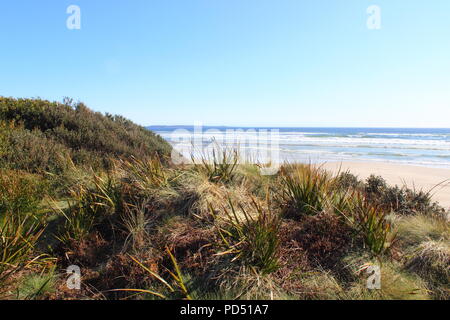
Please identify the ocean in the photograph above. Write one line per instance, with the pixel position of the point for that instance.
(423, 147)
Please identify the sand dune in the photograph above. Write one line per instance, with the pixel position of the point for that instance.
(422, 178)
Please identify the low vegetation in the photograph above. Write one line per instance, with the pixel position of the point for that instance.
(40, 136)
(81, 188)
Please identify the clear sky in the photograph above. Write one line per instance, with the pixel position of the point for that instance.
(235, 62)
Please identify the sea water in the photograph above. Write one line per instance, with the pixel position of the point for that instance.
(424, 147)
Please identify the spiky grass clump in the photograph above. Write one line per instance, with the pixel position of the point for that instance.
(218, 194)
(87, 207)
(372, 223)
(80, 216)
(220, 165)
(146, 175)
(151, 181)
(305, 189)
(135, 222)
(18, 237)
(37, 286)
(252, 237)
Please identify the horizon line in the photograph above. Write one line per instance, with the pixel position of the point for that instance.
(289, 127)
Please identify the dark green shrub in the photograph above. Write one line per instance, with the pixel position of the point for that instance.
(346, 181)
(33, 151)
(375, 185)
(46, 131)
(401, 200)
(407, 201)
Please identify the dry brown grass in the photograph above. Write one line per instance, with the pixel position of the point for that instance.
(431, 261)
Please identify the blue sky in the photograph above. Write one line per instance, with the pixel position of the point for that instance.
(235, 62)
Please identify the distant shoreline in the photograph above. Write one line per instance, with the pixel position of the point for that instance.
(422, 147)
(152, 127)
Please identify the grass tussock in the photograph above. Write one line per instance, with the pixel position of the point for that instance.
(146, 175)
(251, 237)
(372, 223)
(431, 261)
(305, 189)
(310, 190)
(37, 286)
(87, 207)
(418, 228)
(220, 165)
(19, 235)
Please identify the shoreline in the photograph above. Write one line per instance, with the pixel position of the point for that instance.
(413, 176)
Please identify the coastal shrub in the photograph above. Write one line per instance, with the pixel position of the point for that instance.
(32, 151)
(375, 185)
(5, 128)
(402, 200)
(251, 237)
(49, 128)
(407, 201)
(347, 180)
(20, 192)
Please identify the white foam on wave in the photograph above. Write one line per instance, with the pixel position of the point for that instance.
(408, 148)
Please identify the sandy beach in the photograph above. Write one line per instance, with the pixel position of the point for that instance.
(422, 178)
